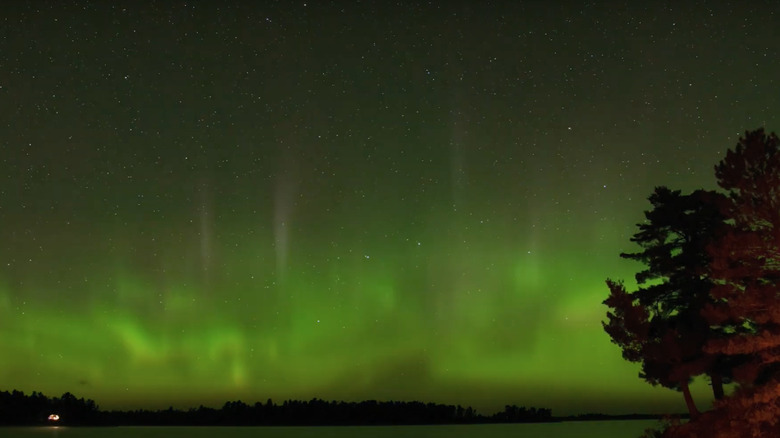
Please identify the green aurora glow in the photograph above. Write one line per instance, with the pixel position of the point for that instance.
(219, 203)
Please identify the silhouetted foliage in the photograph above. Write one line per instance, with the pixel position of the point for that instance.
(16, 408)
(737, 292)
(746, 271)
(749, 412)
(746, 259)
(660, 324)
(19, 409)
(514, 414)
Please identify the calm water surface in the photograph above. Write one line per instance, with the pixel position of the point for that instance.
(585, 429)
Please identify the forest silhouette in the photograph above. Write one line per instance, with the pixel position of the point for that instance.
(706, 303)
(19, 409)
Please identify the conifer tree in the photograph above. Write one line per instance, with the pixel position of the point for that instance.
(746, 269)
(660, 324)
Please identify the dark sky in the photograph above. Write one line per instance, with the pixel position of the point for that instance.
(206, 201)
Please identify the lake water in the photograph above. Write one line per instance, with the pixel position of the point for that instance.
(580, 429)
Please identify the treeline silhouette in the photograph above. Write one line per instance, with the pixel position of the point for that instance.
(16, 408)
(19, 409)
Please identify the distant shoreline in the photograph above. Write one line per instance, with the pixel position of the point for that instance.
(618, 417)
(36, 409)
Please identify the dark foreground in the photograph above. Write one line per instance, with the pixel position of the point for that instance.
(590, 429)
(19, 409)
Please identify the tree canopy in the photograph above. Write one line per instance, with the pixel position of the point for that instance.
(659, 324)
(708, 300)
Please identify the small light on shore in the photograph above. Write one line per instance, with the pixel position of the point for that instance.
(54, 417)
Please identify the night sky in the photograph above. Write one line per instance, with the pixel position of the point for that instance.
(204, 202)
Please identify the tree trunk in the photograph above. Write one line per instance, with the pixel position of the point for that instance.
(717, 385)
(689, 400)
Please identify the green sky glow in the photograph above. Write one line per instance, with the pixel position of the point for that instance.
(360, 203)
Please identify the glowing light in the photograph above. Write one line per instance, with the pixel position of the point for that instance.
(264, 240)
(54, 417)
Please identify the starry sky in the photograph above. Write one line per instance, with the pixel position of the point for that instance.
(204, 202)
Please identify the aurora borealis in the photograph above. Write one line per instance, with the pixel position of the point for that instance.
(204, 202)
